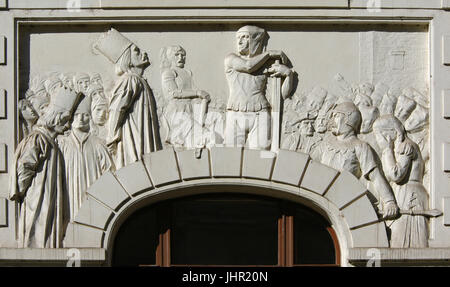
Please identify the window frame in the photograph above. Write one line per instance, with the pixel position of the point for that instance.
(285, 230)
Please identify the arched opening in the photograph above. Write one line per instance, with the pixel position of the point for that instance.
(225, 229)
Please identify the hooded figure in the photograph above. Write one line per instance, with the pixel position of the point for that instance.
(404, 168)
(248, 120)
(37, 180)
(85, 156)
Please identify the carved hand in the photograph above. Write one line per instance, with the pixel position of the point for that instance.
(384, 142)
(276, 54)
(203, 95)
(112, 147)
(279, 70)
(391, 210)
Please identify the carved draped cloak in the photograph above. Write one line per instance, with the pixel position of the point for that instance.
(406, 174)
(38, 175)
(133, 120)
(86, 159)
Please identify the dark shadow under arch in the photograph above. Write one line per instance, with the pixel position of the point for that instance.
(225, 229)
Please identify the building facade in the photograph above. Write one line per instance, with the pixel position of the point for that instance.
(224, 133)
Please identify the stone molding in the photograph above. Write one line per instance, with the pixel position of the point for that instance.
(100, 216)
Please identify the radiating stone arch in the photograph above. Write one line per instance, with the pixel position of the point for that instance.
(167, 174)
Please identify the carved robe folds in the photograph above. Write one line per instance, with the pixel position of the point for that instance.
(39, 179)
(133, 121)
(86, 159)
(404, 168)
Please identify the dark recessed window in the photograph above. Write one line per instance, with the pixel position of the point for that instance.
(225, 230)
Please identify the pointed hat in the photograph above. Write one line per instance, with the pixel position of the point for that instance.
(112, 45)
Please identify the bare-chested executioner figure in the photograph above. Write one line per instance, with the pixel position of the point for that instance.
(248, 111)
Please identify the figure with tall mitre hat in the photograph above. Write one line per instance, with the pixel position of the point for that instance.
(37, 177)
(85, 156)
(133, 120)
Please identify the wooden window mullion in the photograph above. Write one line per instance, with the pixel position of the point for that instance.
(159, 251)
(281, 241)
(166, 248)
(289, 236)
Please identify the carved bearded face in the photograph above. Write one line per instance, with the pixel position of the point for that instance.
(39, 103)
(307, 128)
(243, 43)
(321, 124)
(62, 121)
(138, 59)
(178, 57)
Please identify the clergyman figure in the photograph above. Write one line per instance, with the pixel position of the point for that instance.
(99, 111)
(85, 156)
(37, 177)
(133, 120)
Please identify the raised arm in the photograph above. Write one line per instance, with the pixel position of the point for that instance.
(246, 65)
(171, 89)
(394, 167)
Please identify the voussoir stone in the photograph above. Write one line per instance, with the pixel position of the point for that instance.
(318, 177)
(93, 213)
(289, 167)
(162, 166)
(360, 212)
(134, 178)
(257, 164)
(81, 236)
(226, 161)
(373, 235)
(192, 167)
(108, 191)
(345, 189)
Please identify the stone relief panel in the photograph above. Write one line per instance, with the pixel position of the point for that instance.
(255, 90)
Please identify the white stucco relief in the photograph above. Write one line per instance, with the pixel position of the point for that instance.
(343, 128)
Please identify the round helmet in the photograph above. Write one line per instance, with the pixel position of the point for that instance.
(354, 117)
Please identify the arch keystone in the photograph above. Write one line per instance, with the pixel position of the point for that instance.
(226, 161)
(192, 167)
